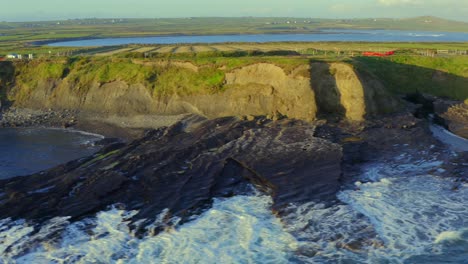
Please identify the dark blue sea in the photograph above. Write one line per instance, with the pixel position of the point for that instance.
(25, 151)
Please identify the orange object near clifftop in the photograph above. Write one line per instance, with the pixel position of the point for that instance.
(378, 54)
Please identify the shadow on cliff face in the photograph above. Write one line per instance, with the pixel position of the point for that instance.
(327, 94)
(365, 87)
(418, 85)
(343, 93)
(378, 99)
(7, 78)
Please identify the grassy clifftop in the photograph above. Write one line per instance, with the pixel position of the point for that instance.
(184, 76)
(82, 73)
(441, 76)
(191, 83)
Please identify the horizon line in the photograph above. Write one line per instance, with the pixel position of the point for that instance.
(189, 17)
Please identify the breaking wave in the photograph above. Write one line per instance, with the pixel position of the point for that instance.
(236, 230)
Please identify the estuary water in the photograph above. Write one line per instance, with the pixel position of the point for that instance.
(25, 151)
(325, 35)
(395, 211)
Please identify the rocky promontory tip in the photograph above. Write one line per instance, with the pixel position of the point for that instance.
(182, 168)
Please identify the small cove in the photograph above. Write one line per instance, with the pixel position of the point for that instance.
(24, 151)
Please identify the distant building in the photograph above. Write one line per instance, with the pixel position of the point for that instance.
(14, 56)
(19, 56)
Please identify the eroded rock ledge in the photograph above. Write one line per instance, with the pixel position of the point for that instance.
(182, 169)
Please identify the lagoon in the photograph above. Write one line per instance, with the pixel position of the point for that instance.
(331, 35)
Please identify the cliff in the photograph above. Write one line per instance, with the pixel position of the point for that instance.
(128, 87)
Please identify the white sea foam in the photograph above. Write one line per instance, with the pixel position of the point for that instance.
(396, 220)
(452, 236)
(455, 142)
(411, 215)
(237, 230)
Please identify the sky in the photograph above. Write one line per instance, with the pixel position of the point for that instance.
(30, 10)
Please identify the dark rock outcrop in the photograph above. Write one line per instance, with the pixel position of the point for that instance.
(451, 114)
(182, 169)
(454, 114)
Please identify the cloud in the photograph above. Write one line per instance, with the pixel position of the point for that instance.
(399, 2)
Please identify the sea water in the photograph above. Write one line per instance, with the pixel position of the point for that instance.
(24, 151)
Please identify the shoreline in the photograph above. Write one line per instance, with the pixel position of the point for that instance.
(322, 31)
(50, 41)
(125, 129)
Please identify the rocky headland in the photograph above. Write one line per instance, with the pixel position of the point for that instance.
(297, 135)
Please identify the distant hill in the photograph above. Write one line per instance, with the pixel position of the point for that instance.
(425, 23)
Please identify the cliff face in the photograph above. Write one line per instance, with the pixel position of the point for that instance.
(6, 79)
(175, 88)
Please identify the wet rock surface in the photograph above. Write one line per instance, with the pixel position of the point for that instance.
(388, 138)
(181, 169)
(178, 170)
(451, 114)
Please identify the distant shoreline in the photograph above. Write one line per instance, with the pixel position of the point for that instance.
(50, 41)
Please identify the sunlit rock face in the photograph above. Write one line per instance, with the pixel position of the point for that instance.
(343, 92)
